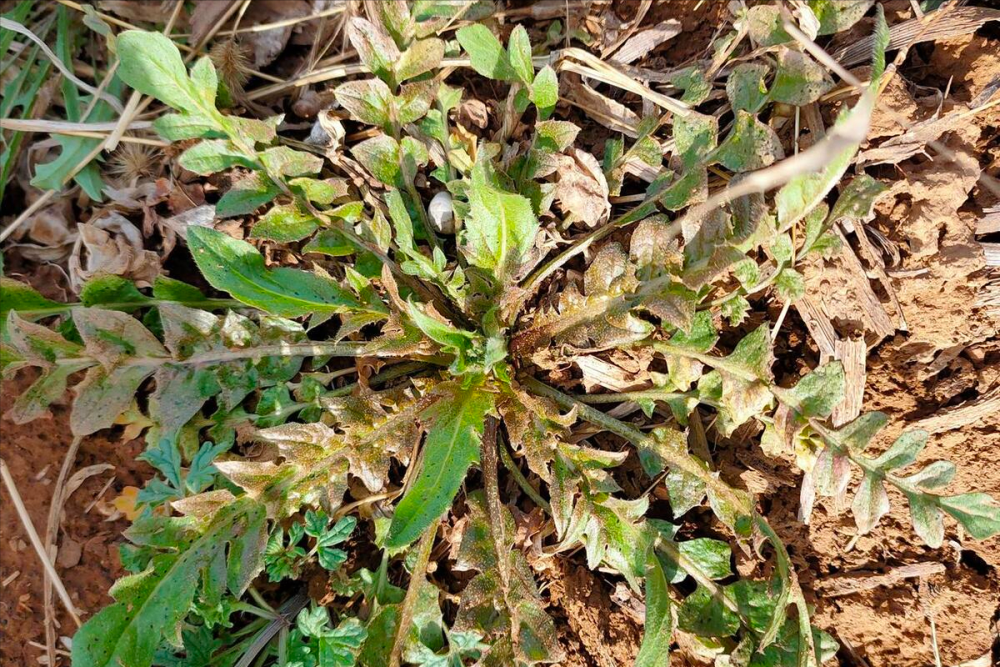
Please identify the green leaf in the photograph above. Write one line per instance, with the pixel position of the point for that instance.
(486, 52)
(694, 82)
(285, 224)
(903, 451)
(285, 161)
(53, 174)
(452, 445)
(500, 228)
(545, 91)
(331, 647)
(797, 198)
(442, 332)
(859, 432)
(369, 101)
(151, 604)
(880, 44)
(236, 267)
(735, 309)
(765, 25)
(422, 57)
(799, 80)
(750, 145)
(712, 557)
(705, 615)
(187, 125)
(247, 195)
(18, 296)
(330, 242)
(978, 513)
(695, 136)
(323, 192)
(658, 628)
(375, 48)
(745, 87)
(819, 392)
(152, 65)
(613, 531)
(838, 15)
(169, 289)
(204, 80)
(752, 355)
(857, 199)
(380, 156)
(214, 155)
(790, 285)
(519, 49)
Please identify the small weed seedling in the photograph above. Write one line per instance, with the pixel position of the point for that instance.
(454, 340)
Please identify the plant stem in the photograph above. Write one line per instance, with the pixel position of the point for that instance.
(205, 304)
(682, 462)
(417, 579)
(390, 373)
(314, 349)
(522, 481)
(259, 599)
(633, 396)
(254, 610)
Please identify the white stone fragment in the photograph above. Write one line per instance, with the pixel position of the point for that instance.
(441, 214)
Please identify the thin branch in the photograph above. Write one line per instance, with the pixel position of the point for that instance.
(51, 534)
(36, 542)
(522, 481)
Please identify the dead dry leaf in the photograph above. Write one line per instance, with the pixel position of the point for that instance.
(599, 107)
(205, 15)
(643, 43)
(954, 22)
(51, 228)
(582, 190)
(112, 245)
(267, 45)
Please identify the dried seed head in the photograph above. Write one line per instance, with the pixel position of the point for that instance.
(232, 64)
(133, 161)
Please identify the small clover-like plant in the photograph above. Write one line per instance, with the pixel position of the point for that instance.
(453, 341)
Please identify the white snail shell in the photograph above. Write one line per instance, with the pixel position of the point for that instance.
(441, 214)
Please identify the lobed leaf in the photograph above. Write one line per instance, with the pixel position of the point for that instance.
(149, 605)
